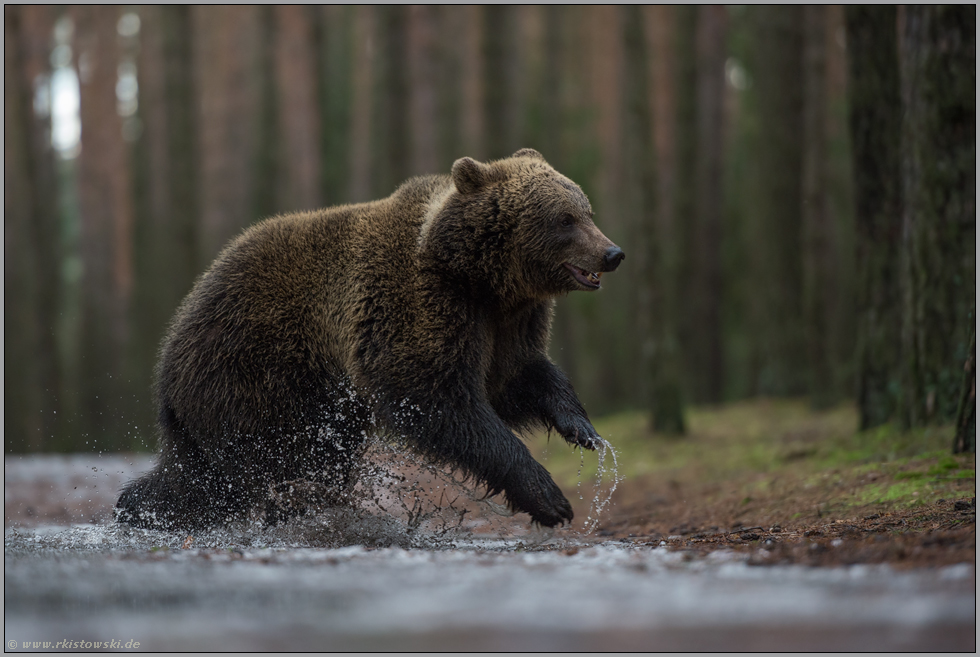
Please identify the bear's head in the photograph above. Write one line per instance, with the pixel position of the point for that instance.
(519, 229)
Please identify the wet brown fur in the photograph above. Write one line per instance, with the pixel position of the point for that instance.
(425, 315)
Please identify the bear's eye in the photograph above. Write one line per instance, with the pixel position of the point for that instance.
(567, 221)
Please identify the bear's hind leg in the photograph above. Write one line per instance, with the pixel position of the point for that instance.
(326, 477)
(183, 494)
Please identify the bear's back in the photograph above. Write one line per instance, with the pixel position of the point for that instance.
(288, 293)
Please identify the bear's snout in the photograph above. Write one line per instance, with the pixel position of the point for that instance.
(614, 255)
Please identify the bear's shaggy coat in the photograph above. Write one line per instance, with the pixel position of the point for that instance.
(425, 315)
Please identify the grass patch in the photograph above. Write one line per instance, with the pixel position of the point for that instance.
(757, 452)
(900, 494)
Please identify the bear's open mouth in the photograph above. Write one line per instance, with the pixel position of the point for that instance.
(589, 279)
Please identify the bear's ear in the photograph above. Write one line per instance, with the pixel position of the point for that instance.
(529, 152)
(469, 175)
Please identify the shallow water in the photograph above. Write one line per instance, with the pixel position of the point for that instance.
(294, 588)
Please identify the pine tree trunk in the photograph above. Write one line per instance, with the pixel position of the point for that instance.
(265, 161)
(423, 100)
(334, 80)
(105, 205)
(965, 439)
(938, 55)
(365, 34)
(819, 282)
(503, 106)
(684, 263)
(32, 290)
(779, 85)
(298, 111)
(706, 358)
(638, 149)
(875, 116)
(227, 48)
(471, 83)
(166, 192)
(391, 161)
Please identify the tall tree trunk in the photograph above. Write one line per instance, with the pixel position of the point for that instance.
(267, 159)
(335, 42)
(669, 33)
(422, 105)
(840, 206)
(875, 122)
(779, 76)
(392, 155)
(938, 60)
(705, 360)
(660, 30)
(167, 198)
(965, 439)
(227, 47)
(638, 148)
(472, 83)
(819, 284)
(685, 72)
(298, 111)
(32, 264)
(365, 38)
(106, 211)
(503, 109)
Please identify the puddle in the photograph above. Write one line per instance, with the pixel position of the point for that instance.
(372, 581)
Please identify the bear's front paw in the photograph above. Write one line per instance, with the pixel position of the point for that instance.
(579, 432)
(540, 497)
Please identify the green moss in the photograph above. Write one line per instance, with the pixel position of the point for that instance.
(945, 465)
(903, 493)
(887, 443)
(782, 439)
(909, 475)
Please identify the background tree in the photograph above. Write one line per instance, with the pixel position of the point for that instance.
(640, 184)
(32, 290)
(167, 198)
(778, 63)
(819, 286)
(106, 210)
(938, 59)
(875, 119)
(297, 140)
(334, 37)
(703, 356)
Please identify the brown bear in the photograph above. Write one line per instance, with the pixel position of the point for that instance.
(425, 316)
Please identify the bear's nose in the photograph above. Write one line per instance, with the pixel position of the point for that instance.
(614, 256)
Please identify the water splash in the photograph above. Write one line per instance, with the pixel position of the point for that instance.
(400, 499)
(602, 496)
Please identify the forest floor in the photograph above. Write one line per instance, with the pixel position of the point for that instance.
(774, 479)
(784, 483)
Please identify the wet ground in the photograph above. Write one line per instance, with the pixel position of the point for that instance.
(70, 575)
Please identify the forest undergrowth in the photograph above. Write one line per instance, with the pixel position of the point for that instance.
(786, 482)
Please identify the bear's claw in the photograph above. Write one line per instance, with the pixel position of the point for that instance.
(540, 497)
(581, 433)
